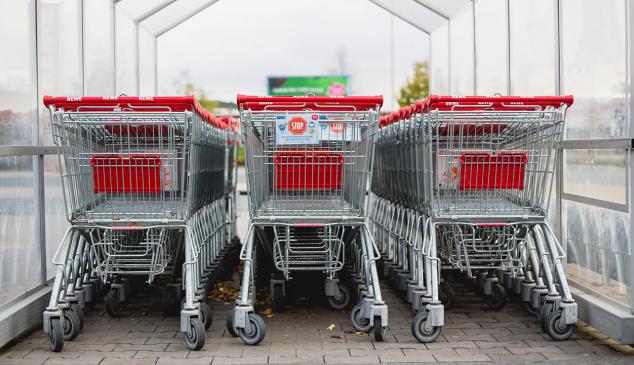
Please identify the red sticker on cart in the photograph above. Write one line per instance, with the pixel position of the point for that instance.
(296, 129)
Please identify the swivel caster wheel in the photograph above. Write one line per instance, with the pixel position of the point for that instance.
(114, 305)
(170, 303)
(497, 299)
(529, 308)
(423, 331)
(71, 325)
(233, 331)
(79, 312)
(254, 331)
(360, 323)
(206, 315)
(446, 295)
(342, 301)
(379, 329)
(278, 297)
(556, 328)
(56, 335)
(195, 336)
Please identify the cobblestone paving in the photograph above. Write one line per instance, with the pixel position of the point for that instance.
(300, 335)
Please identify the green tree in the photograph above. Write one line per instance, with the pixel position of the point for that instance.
(190, 89)
(415, 88)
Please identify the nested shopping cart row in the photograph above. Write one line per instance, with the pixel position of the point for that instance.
(149, 190)
(461, 185)
(308, 160)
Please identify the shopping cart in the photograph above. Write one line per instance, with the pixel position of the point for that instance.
(475, 175)
(144, 181)
(308, 160)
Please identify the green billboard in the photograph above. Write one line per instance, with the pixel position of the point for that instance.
(303, 85)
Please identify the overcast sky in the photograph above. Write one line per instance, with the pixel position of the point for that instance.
(232, 46)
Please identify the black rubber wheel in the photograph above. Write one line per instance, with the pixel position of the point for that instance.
(419, 330)
(360, 324)
(544, 311)
(233, 331)
(556, 329)
(446, 294)
(343, 301)
(56, 335)
(529, 308)
(114, 306)
(71, 325)
(195, 336)
(278, 297)
(254, 333)
(79, 312)
(379, 329)
(206, 315)
(497, 299)
(170, 303)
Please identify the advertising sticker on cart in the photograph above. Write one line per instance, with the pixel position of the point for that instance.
(338, 128)
(293, 129)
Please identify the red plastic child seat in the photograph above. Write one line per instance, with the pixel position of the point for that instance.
(302, 170)
(136, 173)
(485, 171)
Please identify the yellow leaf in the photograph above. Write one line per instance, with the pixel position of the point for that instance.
(331, 327)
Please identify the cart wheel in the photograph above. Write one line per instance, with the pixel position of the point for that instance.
(253, 334)
(71, 325)
(114, 306)
(544, 311)
(556, 328)
(446, 295)
(379, 329)
(233, 331)
(206, 315)
(421, 331)
(497, 299)
(170, 303)
(56, 335)
(195, 336)
(79, 312)
(278, 297)
(341, 302)
(360, 324)
(529, 308)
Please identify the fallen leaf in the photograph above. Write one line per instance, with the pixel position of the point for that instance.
(331, 327)
(335, 336)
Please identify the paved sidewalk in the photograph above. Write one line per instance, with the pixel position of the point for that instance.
(300, 335)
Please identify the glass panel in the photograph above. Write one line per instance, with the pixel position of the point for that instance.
(439, 80)
(597, 79)
(598, 174)
(19, 254)
(98, 48)
(490, 22)
(532, 27)
(17, 80)
(138, 8)
(60, 55)
(147, 62)
(126, 53)
(462, 52)
(597, 248)
(54, 211)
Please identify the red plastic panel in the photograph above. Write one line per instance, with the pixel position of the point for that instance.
(300, 170)
(140, 173)
(324, 103)
(484, 171)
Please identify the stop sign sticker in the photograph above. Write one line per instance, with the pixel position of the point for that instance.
(297, 126)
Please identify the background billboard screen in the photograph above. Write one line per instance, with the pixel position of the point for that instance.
(302, 85)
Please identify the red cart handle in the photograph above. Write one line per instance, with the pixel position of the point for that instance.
(493, 102)
(314, 102)
(134, 103)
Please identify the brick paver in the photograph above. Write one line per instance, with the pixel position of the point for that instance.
(299, 335)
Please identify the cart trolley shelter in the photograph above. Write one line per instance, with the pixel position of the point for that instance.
(481, 202)
(308, 160)
(143, 181)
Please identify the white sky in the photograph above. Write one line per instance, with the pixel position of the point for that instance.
(232, 46)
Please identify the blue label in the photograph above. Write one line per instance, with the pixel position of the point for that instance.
(280, 117)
